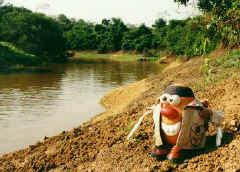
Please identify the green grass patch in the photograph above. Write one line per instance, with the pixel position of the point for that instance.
(230, 60)
(216, 70)
(13, 56)
(95, 57)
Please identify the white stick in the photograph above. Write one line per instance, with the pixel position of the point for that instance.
(138, 124)
(217, 119)
(219, 136)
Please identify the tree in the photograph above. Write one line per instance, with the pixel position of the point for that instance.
(159, 24)
(144, 38)
(129, 37)
(211, 5)
(138, 38)
(224, 17)
(81, 36)
(67, 23)
(110, 34)
(33, 32)
(117, 30)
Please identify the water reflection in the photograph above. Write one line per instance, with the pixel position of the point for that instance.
(36, 105)
(116, 74)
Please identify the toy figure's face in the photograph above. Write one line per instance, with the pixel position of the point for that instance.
(172, 105)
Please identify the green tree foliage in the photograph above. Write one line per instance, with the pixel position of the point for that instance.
(159, 34)
(184, 37)
(81, 36)
(33, 32)
(199, 40)
(110, 34)
(159, 24)
(128, 42)
(175, 40)
(10, 55)
(67, 24)
(184, 2)
(143, 41)
(193, 36)
(138, 38)
(104, 37)
(223, 17)
(49, 38)
(226, 20)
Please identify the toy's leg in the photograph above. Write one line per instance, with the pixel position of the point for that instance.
(174, 154)
(159, 151)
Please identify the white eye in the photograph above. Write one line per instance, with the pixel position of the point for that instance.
(174, 99)
(164, 98)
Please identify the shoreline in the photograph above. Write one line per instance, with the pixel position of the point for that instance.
(94, 57)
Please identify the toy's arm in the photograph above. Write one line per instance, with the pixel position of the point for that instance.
(150, 109)
(138, 124)
(217, 118)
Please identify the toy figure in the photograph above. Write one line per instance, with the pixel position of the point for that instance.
(180, 122)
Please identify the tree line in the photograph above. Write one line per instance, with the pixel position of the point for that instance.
(223, 17)
(50, 38)
(177, 37)
(219, 23)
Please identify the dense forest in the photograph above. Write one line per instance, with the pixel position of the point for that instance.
(48, 39)
(33, 33)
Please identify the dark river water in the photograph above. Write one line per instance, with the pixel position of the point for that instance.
(36, 105)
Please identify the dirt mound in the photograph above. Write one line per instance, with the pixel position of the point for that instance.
(118, 99)
(101, 145)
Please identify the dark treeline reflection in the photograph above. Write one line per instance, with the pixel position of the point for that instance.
(115, 73)
(28, 81)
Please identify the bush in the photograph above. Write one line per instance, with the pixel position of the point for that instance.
(10, 55)
(33, 32)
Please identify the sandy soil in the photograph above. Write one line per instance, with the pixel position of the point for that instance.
(100, 144)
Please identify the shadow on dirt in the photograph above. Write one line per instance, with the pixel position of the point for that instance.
(228, 136)
(210, 146)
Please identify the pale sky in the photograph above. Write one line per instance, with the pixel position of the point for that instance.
(130, 11)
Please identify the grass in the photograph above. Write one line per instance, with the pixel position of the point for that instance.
(231, 60)
(95, 57)
(216, 70)
(12, 56)
(13, 59)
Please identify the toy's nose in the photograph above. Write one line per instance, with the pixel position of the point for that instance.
(168, 111)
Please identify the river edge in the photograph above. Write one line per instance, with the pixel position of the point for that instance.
(100, 143)
(120, 56)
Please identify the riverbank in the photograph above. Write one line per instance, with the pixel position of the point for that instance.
(11, 56)
(100, 144)
(15, 60)
(94, 57)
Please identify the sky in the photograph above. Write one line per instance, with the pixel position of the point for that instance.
(130, 11)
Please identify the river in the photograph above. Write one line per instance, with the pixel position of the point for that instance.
(35, 105)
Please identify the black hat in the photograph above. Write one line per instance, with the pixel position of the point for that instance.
(179, 90)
